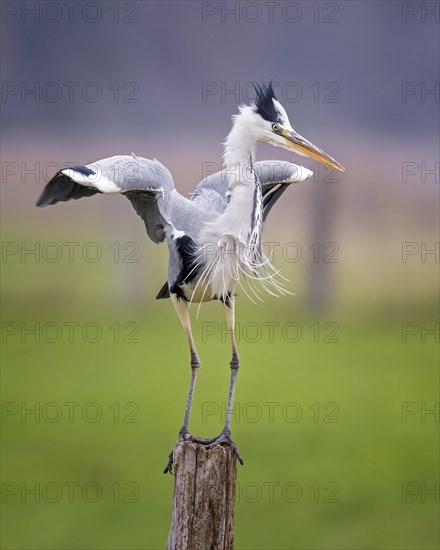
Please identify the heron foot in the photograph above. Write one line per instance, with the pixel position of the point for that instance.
(223, 439)
(184, 435)
(169, 466)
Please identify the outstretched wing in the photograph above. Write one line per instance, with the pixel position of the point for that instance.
(146, 183)
(274, 176)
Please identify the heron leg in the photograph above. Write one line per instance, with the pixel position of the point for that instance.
(225, 435)
(182, 311)
(235, 361)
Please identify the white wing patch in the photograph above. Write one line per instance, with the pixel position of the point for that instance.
(98, 181)
(300, 174)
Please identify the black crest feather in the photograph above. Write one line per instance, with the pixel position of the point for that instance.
(264, 104)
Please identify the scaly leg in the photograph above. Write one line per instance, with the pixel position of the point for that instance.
(225, 435)
(235, 361)
(182, 311)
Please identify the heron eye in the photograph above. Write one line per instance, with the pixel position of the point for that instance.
(275, 128)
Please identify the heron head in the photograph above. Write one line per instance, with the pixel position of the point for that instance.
(274, 127)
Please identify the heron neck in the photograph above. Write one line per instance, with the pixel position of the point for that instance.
(239, 154)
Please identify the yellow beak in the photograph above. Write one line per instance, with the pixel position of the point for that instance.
(303, 147)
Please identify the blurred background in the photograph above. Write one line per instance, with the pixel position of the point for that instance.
(337, 403)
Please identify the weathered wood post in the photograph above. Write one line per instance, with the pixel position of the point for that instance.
(204, 497)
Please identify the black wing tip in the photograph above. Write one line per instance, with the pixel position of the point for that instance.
(42, 202)
(63, 188)
(47, 196)
(85, 170)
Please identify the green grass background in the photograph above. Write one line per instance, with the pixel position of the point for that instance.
(366, 455)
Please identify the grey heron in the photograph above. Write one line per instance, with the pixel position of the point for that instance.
(213, 237)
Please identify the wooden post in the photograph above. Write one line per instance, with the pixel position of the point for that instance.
(204, 497)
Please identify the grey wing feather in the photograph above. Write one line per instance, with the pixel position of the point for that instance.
(146, 183)
(273, 175)
(131, 173)
(149, 187)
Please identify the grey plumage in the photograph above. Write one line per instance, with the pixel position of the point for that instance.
(166, 214)
(145, 183)
(214, 236)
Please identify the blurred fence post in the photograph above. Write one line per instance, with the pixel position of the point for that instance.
(204, 497)
(320, 276)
